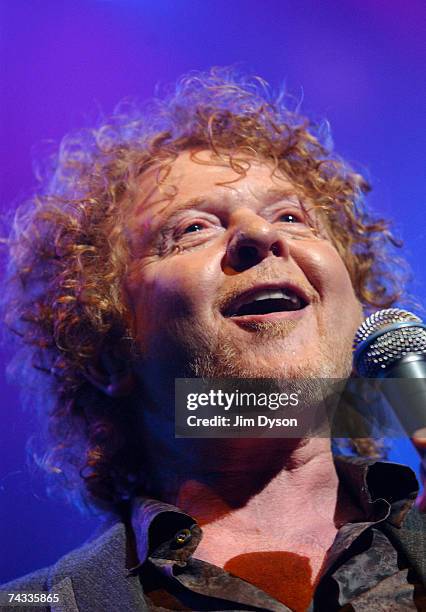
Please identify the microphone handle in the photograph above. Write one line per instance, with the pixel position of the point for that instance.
(404, 386)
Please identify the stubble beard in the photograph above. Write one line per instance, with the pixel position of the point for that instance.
(333, 360)
(223, 359)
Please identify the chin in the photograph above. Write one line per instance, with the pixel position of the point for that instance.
(280, 356)
(215, 366)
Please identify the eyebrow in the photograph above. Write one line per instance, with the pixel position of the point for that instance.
(191, 203)
(275, 194)
(272, 195)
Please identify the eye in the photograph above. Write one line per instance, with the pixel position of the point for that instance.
(194, 227)
(289, 218)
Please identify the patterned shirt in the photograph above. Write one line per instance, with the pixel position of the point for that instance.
(362, 571)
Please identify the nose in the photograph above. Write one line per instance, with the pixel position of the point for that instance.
(252, 240)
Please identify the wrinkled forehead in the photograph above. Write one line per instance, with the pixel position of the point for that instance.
(197, 177)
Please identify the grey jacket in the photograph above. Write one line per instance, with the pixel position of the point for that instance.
(91, 578)
(94, 577)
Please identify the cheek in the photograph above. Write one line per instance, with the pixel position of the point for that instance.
(339, 282)
(172, 291)
(340, 294)
(327, 272)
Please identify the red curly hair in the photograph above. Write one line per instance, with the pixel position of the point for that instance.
(68, 258)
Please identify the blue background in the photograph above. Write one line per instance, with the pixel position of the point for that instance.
(358, 64)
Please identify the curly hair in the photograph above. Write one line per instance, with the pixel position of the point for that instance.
(65, 298)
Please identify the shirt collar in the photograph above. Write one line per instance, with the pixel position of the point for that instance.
(168, 536)
(378, 486)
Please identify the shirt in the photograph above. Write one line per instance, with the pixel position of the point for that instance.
(363, 571)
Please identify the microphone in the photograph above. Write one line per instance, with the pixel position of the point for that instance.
(391, 345)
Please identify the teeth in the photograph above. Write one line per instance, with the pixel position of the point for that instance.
(278, 294)
(267, 294)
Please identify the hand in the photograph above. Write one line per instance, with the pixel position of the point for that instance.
(419, 441)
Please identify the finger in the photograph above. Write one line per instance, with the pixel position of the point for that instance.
(419, 438)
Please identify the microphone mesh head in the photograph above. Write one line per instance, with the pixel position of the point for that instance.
(378, 355)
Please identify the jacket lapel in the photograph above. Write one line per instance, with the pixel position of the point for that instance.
(95, 577)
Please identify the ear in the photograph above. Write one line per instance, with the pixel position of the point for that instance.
(113, 377)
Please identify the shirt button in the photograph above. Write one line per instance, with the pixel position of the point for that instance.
(183, 536)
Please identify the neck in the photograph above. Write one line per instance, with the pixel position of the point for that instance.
(209, 478)
(266, 481)
(269, 507)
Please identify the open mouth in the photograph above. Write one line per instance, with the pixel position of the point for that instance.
(266, 301)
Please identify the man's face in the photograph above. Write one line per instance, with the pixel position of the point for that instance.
(227, 277)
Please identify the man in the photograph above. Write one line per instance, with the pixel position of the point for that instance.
(144, 260)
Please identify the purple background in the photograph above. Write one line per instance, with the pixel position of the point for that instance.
(360, 64)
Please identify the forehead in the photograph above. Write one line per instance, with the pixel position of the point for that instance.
(203, 176)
